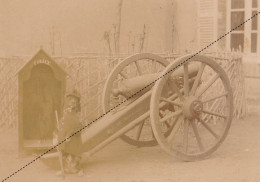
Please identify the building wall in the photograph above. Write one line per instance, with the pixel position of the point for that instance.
(79, 26)
(182, 26)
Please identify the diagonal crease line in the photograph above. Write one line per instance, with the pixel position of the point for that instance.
(147, 86)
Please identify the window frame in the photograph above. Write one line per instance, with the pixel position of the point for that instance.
(248, 9)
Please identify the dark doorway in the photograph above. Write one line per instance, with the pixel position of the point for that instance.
(41, 97)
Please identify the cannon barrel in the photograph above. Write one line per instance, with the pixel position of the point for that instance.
(132, 85)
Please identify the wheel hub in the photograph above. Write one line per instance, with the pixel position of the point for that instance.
(192, 107)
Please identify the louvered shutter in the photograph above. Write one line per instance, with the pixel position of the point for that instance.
(207, 23)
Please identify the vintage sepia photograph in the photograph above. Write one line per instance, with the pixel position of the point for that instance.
(130, 90)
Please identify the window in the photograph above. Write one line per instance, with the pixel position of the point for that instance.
(254, 21)
(239, 11)
(254, 27)
(237, 4)
(237, 17)
(237, 41)
(253, 42)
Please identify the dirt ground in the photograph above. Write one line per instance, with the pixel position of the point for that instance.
(237, 159)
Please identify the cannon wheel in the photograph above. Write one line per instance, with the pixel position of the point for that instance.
(205, 109)
(137, 63)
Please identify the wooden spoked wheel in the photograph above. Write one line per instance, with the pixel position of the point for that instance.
(132, 68)
(204, 108)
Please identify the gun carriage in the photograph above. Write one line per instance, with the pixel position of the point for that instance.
(149, 101)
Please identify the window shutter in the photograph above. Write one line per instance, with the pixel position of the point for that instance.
(207, 23)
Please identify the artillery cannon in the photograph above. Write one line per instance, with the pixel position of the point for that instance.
(148, 100)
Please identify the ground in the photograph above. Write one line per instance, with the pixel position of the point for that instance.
(237, 159)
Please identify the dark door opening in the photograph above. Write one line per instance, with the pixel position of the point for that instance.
(41, 97)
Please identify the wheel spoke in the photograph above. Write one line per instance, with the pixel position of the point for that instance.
(153, 65)
(171, 102)
(123, 75)
(186, 135)
(208, 128)
(214, 98)
(138, 67)
(174, 114)
(197, 79)
(195, 129)
(172, 97)
(167, 124)
(152, 133)
(176, 125)
(186, 79)
(174, 122)
(208, 84)
(213, 113)
(175, 88)
(140, 128)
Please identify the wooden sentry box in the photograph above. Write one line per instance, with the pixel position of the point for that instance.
(42, 86)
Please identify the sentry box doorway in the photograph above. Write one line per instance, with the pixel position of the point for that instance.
(42, 86)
